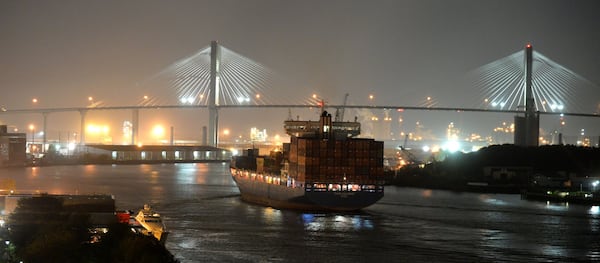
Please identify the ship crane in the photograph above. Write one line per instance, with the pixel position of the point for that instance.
(339, 112)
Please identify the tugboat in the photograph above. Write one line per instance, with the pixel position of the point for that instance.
(323, 168)
(152, 224)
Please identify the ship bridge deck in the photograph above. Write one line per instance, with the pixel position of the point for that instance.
(309, 128)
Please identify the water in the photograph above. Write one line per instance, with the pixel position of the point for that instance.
(208, 222)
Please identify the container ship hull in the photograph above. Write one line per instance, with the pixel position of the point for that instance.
(299, 198)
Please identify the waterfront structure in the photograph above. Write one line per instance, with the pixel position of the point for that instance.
(12, 147)
(157, 153)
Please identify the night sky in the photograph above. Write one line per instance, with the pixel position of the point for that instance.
(61, 52)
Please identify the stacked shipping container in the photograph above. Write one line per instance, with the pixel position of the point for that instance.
(353, 161)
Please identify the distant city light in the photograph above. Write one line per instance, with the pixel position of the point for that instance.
(452, 146)
(234, 151)
(158, 131)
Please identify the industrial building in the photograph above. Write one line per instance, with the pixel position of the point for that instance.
(12, 148)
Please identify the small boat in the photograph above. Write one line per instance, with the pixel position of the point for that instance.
(152, 224)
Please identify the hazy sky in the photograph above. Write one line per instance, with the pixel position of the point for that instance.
(61, 52)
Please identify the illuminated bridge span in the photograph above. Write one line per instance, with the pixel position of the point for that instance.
(554, 87)
(238, 81)
(216, 77)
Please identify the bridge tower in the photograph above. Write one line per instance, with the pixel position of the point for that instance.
(213, 98)
(527, 128)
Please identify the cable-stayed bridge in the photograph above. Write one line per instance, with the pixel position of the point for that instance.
(216, 77)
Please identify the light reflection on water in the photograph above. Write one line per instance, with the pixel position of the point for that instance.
(271, 216)
(336, 222)
(557, 206)
(595, 210)
(492, 201)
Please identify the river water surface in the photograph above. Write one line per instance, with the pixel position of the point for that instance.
(208, 222)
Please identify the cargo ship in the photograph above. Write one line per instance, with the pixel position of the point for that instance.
(324, 167)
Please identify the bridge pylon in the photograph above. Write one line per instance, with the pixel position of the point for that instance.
(213, 99)
(527, 128)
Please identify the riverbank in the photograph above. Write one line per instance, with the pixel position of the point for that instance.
(506, 169)
(72, 228)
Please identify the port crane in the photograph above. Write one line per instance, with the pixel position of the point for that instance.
(409, 156)
(339, 112)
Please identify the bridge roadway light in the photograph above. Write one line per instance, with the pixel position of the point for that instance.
(188, 100)
(243, 99)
